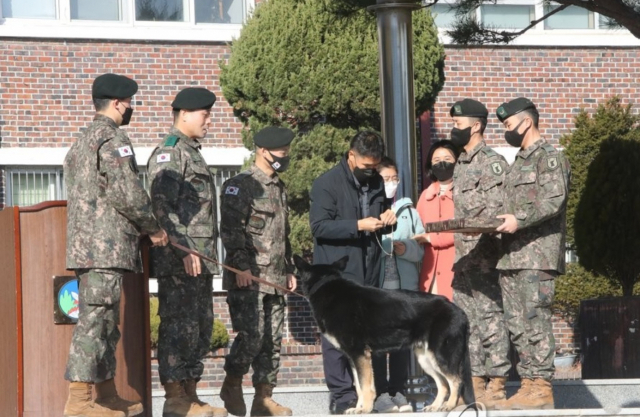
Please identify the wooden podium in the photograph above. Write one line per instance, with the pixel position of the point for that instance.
(34, 350)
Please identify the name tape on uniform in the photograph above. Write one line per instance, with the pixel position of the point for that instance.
(125, 151)
(232, 190)
(163, 157)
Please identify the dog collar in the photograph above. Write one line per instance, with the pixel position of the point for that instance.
(320, 283)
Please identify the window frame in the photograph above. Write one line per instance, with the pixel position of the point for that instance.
(128, 28)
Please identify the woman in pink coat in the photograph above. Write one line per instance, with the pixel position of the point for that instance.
(436, 204)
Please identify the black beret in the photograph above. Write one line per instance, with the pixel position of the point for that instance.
(469, 108)
(273, 137)
(113, 86)
(514, 106)
(193, 98)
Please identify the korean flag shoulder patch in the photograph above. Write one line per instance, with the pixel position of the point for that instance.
(231, 190)
(125, 151)
(163, 157)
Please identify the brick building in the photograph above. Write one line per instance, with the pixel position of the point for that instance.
(50, 51)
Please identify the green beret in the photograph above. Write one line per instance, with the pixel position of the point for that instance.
(514, 106)
(113, 86)
(469, 108)
(193, 98)
(273, 137)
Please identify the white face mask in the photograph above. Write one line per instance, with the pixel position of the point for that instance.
(390, 188)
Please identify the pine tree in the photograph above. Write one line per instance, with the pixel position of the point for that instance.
(296, 64)
(604, 152)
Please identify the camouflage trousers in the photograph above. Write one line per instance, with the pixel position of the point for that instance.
(186, 322)
(478, 294)
(258, 319)
(527, 297)
(92, 356)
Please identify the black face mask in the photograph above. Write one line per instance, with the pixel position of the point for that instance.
(460, 137)
(279, 163)
(514, 138)
(126, 116)
(363, 175)
(443, 171)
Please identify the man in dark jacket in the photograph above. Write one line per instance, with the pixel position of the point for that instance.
(349, 213)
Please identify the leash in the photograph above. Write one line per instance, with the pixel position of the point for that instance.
(234, 270)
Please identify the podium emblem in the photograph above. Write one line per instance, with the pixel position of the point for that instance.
(66, 300)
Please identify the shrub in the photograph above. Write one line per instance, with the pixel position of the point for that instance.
(219, 335)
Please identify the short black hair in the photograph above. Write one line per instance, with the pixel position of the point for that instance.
(101, 103)
(387, 162)
(532, 114)
(368, 143)
(435, 146)
(483, 123)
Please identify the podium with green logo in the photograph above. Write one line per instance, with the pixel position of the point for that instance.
(38, 302)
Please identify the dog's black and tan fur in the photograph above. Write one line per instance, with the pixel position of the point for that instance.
(360, 320)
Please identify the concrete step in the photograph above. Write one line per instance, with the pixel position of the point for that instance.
(572, 398)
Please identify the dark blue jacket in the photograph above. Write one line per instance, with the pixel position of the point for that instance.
(334, 215)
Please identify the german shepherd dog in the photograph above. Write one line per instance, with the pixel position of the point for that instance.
(360, 320)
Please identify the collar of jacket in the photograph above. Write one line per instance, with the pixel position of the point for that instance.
(184, 138)
(104, 119)
(262, 176)
(524, 153)
(434, 189)
(468, 156)
(375, 183)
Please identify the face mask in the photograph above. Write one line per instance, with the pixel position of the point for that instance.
(363, 175)
(443, 171)
(514, 138)
(390, 188)
(126, 116)
(460, 137)
(280, 163)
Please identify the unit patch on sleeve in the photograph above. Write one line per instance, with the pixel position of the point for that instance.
(496, 168)
(552, 162)
(125, 151)
(232, 190)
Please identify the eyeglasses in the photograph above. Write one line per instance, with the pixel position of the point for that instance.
(391, 178)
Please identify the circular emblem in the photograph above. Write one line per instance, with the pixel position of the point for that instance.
(68, 299)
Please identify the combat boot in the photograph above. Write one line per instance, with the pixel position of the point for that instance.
(80, 403)
(495, 393)
(231, 394)
(108, 397)
(479, 387)
(178, 404)
(264, 405)
(190, 389)
(538, 396)
(525, 385)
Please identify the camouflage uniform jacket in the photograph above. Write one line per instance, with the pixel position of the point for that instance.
(477, 194)
(255, 228)
(107, 206)
(183, 195)
(536, 190)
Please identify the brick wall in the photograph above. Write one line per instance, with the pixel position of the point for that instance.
(560, 81)
(45, 88)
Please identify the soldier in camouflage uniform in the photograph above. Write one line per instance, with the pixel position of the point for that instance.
(255, 232)
(477, 194)
(183, 195)
(533, 238)
(107, 211)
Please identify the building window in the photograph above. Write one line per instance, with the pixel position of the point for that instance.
(507, 16)
(443, 15)
(219, 11)
(96, 10)
(29, 9)
(572, 17)
(160, 10)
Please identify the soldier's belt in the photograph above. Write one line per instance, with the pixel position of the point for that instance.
(234, 270)
(463, 226)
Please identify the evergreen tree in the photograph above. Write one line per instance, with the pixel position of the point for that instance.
(295, 64)
(605, 211)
